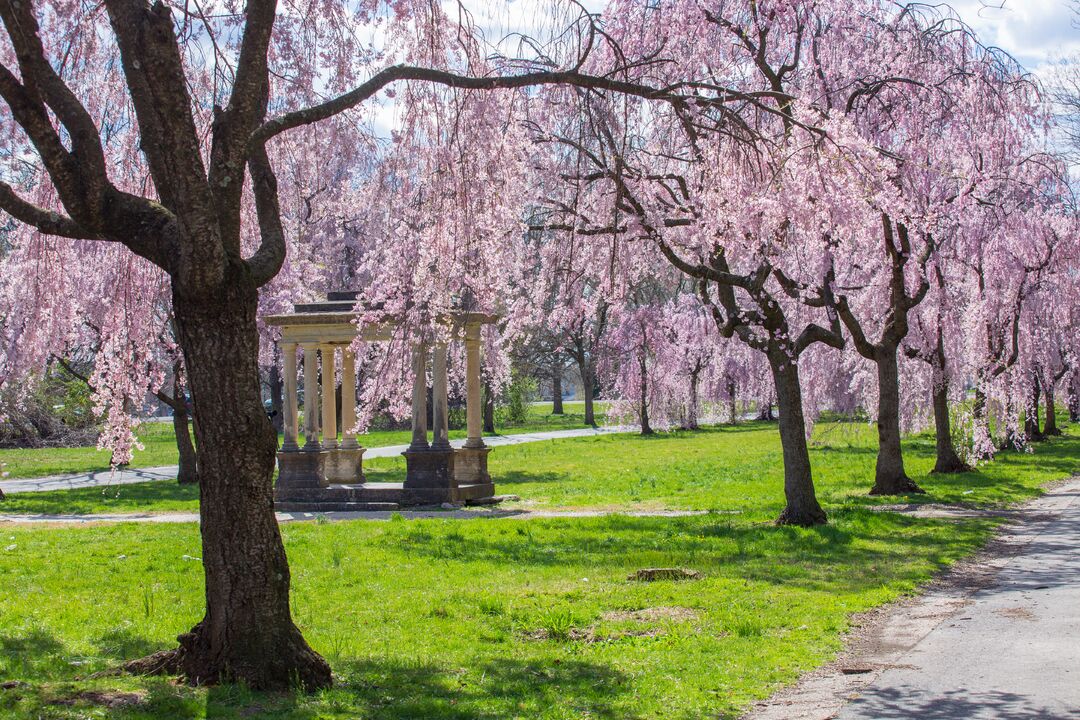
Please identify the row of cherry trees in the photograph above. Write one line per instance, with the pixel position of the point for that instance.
(812, 203)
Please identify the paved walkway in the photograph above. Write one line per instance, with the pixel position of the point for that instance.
(138, 475)
(998, 638)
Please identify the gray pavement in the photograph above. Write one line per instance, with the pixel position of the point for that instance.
(1013, 651)
(997, 636)
(138, 475)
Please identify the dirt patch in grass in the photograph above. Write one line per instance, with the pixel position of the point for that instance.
(655, 614)
(654, 574)
(105, 698)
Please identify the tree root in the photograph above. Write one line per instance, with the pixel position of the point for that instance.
(897, 486)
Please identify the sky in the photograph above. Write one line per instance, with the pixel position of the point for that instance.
(1035, 32)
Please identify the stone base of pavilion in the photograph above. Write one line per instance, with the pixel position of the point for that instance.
(306, 483)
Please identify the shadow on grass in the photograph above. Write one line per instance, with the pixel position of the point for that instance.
(367, 688)
(119, 498)
(810, 558)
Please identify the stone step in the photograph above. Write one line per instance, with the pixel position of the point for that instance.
(332, 506)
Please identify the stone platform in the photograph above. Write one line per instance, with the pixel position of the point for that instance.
(376, 496)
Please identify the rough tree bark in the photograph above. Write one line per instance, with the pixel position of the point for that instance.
(247, 632)
(801, 506)
(947, 459)
(890, 478)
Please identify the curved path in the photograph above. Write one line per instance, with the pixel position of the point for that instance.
(998, 638)
(139, 475)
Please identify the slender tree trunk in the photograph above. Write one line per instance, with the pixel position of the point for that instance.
(556, 390)
(587, 390)
(188, 473)
(277, 390)
(643, 396)
(889, 475)
(947, 459)
(692, 403)
(801, 507)
(1031, 414)
(1051, 427)
(489, 409)
(247, 633)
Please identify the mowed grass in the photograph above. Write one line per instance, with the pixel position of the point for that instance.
(159, 444)
(468, 619)
(511, 618)
(727, 468)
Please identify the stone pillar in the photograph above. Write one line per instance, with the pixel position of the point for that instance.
(348, 399)
(329, 403)
(301, 473)
(311, 397)
(345, 463)
(429, 469)
(470, 462)
(289, 444)
(441, 410)
(473, 401)
(419, 400)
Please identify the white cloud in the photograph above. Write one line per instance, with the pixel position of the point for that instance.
(1032, 31)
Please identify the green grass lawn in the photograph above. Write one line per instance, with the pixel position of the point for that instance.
(504, 618)
(469, 619)
(722, 468)
(159, 444)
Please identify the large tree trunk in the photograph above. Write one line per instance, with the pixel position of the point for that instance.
(247, 634)
(643, 396)
(556, 389)
(188, 473)
(947, 459)
(1051, 427)
(801, 507)
(889, 475)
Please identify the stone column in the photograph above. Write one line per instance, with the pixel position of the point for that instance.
(419, 400)
(470, 461)
(441, 410)
(311, 397)
(473, 402)
(289, 443)
(348, 399)
(301, 473)
(329, 403)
